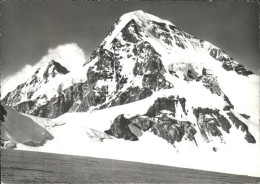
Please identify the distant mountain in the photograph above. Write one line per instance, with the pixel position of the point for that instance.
(29, 96)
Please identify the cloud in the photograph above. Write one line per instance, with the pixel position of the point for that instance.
(11, 82)
(69, 55)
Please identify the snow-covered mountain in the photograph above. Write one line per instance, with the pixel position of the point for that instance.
(41, 95)
(142, 54)
(63, 54)
(164, 83)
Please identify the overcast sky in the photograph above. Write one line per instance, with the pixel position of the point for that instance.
(29, 29)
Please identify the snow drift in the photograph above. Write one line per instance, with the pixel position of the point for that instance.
(24, 129)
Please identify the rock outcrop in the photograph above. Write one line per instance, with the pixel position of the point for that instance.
(120, 129)
(3, 113)
(163, 120)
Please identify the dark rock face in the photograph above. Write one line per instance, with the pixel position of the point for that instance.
(238, 68)
(143, 122)
(25, 107)
(228, 63)
(178, 42)
(161, 124)
(244, 128)
(76, 97)
(120, 129)
(174, 132)
(131, 32)
(162, 104)
(132, 94)
(219, 55)
(224, 123)
(209, 121)
(104, 67)
(150, 68)
(5, 99)
(152, 63)
(154, 81)
(66, 101)
(178, 35)
(161, 31)
(166, 104)
(183, 104)
(161, 26)
(229, 104)
(71, 99)
(220, 121)
(197, 111)
(3, 113)
(237, 122)
(177, 31)
(218, 118)
(211, 83)
(250, 138)
(50, 71)
(13, 97)
(169, 129)
(54, 108)
(245, 116)
(108, 69)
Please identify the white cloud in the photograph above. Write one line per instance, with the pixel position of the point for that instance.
(69, 55)
(11, 82)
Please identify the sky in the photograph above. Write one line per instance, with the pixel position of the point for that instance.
(31, 28)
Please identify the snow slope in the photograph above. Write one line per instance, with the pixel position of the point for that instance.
(24, 129)
(236, 156)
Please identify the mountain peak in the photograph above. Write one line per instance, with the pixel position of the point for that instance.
(144, 16)
(58, 67)
(44, 81)
(136, 12)
(53, 69)
(50, 69)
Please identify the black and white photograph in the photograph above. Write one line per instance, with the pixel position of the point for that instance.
(147, 91)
